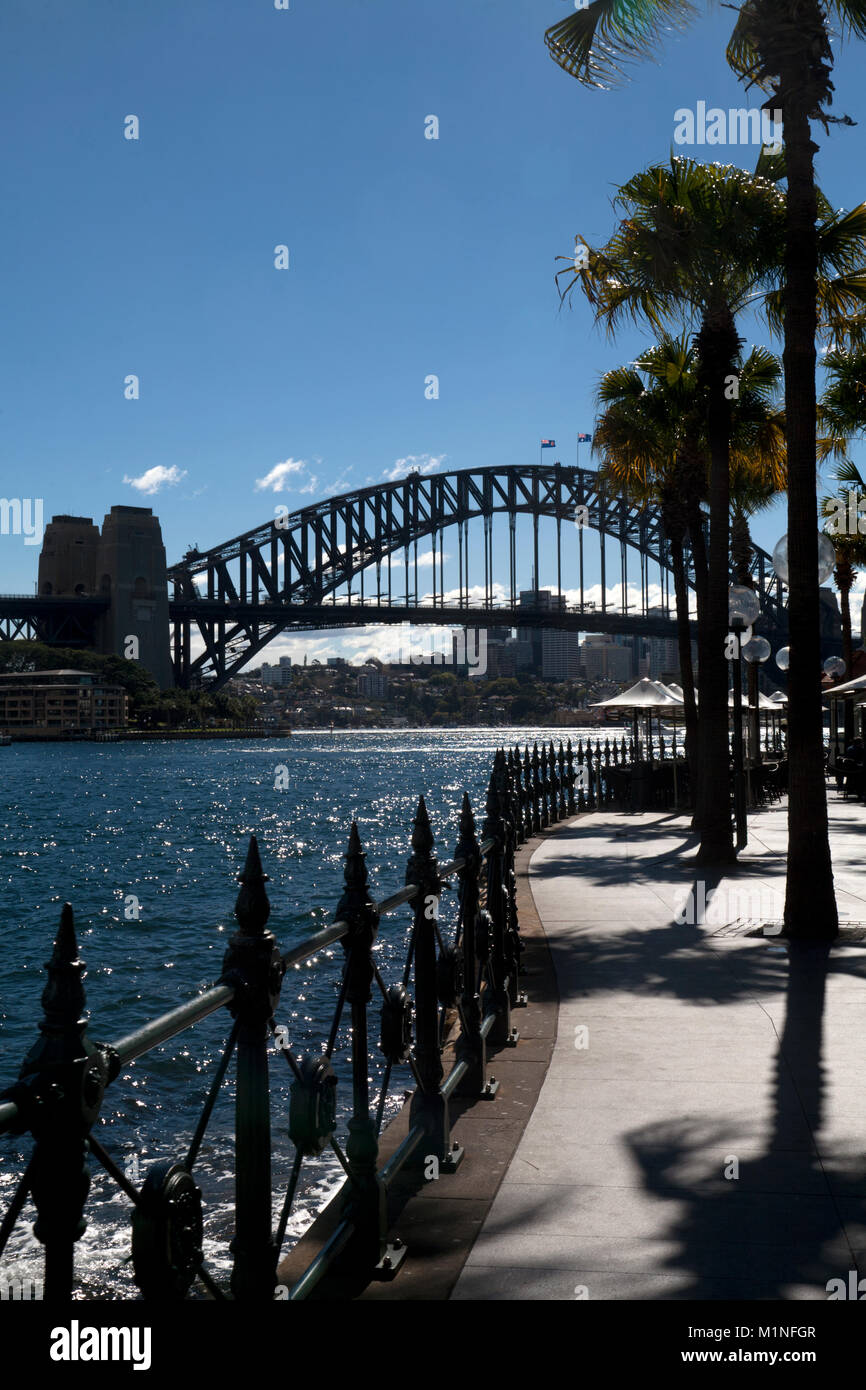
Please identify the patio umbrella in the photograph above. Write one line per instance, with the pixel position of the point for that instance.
(645, 697)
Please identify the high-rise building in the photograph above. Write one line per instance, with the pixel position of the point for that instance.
(276, 675)
(603, 658)
(560, 655)
(663, 652)
(551, 652)
(373, 684)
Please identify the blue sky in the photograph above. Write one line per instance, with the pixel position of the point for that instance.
(408, 256)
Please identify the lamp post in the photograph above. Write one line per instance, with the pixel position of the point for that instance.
(743, 609)
(756, 651)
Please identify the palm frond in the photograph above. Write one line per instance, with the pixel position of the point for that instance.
(595, 43)
(850, 16)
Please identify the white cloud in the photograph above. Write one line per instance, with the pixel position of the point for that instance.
(425, 558)
(155, 478)
(277, 479)
(335, 488)
(413, 463)
(393, 643)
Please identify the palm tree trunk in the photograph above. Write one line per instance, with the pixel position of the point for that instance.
(810, 903)
(717, 347)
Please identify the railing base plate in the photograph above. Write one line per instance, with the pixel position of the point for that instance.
(452, 1160)
(390, 1264)
(490, 1089)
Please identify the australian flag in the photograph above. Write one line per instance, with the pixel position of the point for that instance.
(584, 439)
(548, 443)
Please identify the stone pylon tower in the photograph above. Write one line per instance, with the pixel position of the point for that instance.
(127, 565)
(69, 556)
(132, 571)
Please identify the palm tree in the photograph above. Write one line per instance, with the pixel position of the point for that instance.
(641, 438)
(648, 434)
(785, 50)
(697, 243)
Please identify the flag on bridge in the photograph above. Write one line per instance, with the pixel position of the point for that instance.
(584, 439)
(548, 443)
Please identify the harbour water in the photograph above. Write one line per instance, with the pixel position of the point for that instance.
(106, 826)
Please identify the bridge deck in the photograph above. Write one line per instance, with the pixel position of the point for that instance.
(704, 1045)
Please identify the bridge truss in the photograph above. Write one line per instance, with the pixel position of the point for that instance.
(354, 559)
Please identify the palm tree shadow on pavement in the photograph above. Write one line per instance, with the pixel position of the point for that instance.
(784, 1221)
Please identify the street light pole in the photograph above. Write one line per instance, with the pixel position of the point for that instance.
(743, 609)
(739, 769)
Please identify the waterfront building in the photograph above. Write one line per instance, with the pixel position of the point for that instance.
(60, 702)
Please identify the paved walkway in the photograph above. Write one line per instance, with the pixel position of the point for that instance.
(701, 1131)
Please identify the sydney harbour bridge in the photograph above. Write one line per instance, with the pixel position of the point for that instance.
(378, 556)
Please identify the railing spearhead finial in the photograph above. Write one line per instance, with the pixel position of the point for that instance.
(467, 844)
(356, 893)
(252, 908)
(422, 845)
(63, 998)
(491, 810)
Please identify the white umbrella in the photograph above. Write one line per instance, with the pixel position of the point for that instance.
(644, 698)
(646, 694)
(858, 684)
(764, 701)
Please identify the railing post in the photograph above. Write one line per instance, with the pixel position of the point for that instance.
(365, 1199)
(554, 784)
(502, 1033)
(569, 757)
(252, 964)
(563, 783)
(536, 791)
(582, 779)
(429, 1108)
(514, 797)
(471, 1045)
(59, 1093)
(544, 784)
(513, 945)
(527, 795)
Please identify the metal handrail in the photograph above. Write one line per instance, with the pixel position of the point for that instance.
(480, 980)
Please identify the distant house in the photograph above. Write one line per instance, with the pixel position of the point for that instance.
(59, 702)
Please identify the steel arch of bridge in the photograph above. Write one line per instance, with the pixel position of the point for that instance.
(289, 572)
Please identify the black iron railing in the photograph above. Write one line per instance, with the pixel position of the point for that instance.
(467, 976)
(462, 981)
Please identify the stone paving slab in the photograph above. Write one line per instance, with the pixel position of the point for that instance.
(701, 1131)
